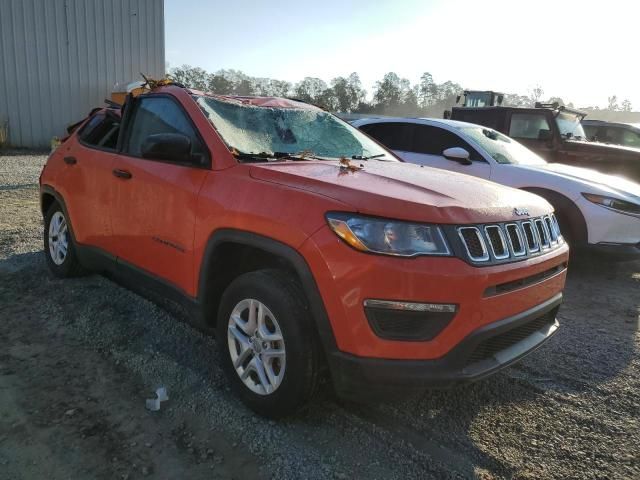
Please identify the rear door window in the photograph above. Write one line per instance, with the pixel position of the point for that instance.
(528, 125)
(101, 131)
(393, 135)
(610, 135)
(631, 138)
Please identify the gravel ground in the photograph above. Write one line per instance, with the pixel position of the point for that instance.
(78, 358)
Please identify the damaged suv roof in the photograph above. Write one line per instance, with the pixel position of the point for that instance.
(267, 102)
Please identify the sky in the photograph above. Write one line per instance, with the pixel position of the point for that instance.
(580, 51)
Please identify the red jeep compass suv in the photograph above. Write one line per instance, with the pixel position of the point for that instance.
(304, 245)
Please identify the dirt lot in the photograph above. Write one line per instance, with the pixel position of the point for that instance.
(79, 357)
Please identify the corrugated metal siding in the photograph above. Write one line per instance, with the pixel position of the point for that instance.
(61, 58)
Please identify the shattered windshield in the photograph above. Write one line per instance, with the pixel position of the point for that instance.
(570, 126)
(502, 148)
(256, 130)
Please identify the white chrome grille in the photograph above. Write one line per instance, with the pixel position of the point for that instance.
(513, 240)
(474, 243)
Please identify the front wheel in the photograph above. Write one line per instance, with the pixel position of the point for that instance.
(58, 244)
(269, 352)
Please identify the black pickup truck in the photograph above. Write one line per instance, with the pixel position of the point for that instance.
(555, 133)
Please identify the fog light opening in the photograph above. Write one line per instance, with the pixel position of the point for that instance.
(411, 306)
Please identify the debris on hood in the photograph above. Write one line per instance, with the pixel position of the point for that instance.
(347, 166)
(153, 404)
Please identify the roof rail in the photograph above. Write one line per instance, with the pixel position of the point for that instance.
(553, 105)
(560, 108)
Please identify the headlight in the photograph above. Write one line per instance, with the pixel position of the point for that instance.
(613, 203)
(389, 237)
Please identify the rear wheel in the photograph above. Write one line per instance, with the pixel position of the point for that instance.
(269, 351)
(58, 244)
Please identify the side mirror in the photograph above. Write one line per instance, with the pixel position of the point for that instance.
(545, 134)
(457, 154)
(174, 147)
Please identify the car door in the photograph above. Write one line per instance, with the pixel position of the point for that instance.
(153, 213)
(85, 182)
(430, 141)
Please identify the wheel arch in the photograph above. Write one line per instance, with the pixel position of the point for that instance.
(49, 196)
(252, 251)
(565, 209)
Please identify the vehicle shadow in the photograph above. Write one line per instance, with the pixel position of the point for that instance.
(599, 319)
(457, 432)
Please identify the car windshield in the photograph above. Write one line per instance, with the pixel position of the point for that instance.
(570, 126)
(501, 148)
(277, 131)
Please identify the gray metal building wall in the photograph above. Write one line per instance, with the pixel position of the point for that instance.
(60, 58)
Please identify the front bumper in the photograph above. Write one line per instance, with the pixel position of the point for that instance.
(346, 279)
(482, 353)
(609, 228)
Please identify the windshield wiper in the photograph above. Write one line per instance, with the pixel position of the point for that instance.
(246, 156)
(305, 155)
(364, 157)
(275, 156)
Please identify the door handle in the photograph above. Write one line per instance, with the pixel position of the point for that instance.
(122, 174)
(70, 160)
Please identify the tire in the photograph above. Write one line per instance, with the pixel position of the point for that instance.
(59, 246)
(571, 221)
(567, 228)
(278, 355)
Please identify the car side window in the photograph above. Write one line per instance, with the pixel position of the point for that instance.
(101, 131)
(591, 131)
(528, 125)
(155, 115)
(432, 140)
(611, 135)
(393, 135)
(630, 138)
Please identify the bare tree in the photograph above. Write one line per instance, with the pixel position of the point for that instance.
(536, 94)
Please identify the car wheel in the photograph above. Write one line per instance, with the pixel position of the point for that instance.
(566, 228)
(58, 244)
(269, 350)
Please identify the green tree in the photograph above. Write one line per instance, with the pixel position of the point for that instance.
(612, 103)
(347, 93)
(192, 77)
(388, 94)
(310, 89)
(427, 90)
(219, 84)
(626, 105)
(244, 88)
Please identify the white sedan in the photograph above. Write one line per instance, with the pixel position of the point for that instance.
(596, 211)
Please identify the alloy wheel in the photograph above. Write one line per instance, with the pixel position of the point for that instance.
(256, 346)
(58, 238)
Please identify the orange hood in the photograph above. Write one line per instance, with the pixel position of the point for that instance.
(405, 191)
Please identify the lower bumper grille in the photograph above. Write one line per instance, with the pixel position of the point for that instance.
(489, 347)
